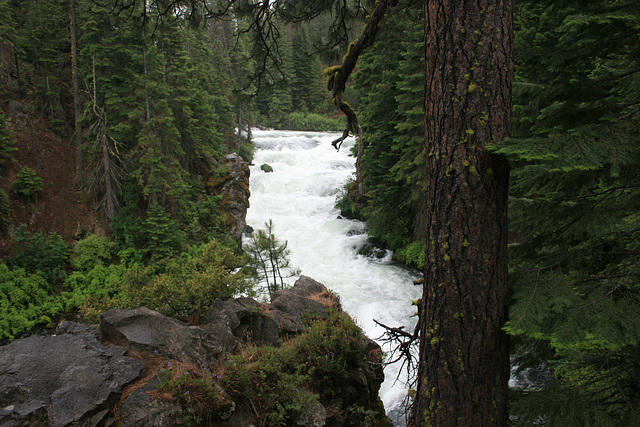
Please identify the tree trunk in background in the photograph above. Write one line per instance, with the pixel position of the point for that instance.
(76, 98)
(464, 354)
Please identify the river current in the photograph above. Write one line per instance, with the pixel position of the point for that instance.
(299, 197)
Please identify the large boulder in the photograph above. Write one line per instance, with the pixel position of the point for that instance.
(242, 320)
(230, 180)
(306, 297)
(66, 379)
(246, 320)
(147, 331)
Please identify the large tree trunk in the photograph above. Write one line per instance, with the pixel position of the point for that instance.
(464, 356)
(76, 98)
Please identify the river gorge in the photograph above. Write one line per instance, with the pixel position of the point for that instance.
(299, 197)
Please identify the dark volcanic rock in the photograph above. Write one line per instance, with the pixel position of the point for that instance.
(241, 319)
(142, 410)
(292, 304)
(146, 330)
(246, 320)
(72, 378)
(62, 379)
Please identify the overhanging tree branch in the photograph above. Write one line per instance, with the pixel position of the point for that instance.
(338, 75)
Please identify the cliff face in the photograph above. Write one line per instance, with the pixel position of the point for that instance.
(230, 181)
(132, 370)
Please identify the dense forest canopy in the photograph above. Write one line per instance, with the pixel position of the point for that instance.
(152, 94)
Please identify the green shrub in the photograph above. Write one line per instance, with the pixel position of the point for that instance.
(27, 184)
(273, 379)
(39, 253)
(95, 291)
(306, 369)
(6, 213)
(193, 386)
(91, 251)
(246, 151)
(314, 122)
(25, 302)
(412, 254)
(187, 284)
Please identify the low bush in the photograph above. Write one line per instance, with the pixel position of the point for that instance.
(95, 291)
(314, 122)
(91, 251)
(26, 302)
(183, 286)
(194, 387)
(188, 284)
(39, 253)
(306, 370)
(412, 254)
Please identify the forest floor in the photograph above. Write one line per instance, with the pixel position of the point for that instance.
(60, 206)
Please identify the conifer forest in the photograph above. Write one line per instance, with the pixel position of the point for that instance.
(498, 152)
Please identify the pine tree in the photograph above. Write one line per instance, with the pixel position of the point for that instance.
(44, 45)
(573, 209)
(464, 353)
(269, 257)
(390, 82)
(7, 146)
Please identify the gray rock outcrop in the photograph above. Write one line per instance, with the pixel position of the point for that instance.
(230, 180)
(60, 380)
(85, 377)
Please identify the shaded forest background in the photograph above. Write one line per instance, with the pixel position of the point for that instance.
(112, 124)
(159, 99)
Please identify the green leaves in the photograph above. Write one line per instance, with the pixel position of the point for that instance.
(25, 302)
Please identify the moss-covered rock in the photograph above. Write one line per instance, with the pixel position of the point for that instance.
(230, 181)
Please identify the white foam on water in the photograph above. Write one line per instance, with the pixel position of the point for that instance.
(299, 197)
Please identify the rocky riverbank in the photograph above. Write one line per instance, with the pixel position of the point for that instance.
(122, 372)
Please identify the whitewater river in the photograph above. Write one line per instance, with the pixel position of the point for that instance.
(299, 197)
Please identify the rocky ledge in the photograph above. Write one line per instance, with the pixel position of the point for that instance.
(88, 377)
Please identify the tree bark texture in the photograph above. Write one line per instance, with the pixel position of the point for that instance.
(464, 355)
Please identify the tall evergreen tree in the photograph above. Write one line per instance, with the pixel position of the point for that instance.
(574, 211)
(390, 80)
(464, 354)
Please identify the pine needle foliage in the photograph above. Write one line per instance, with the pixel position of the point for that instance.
(573, 210)
(390, 80)
(269, 259)
(27, 184)
(6, 143)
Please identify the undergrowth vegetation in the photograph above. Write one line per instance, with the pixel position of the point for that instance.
(279, 382)
(46, 280)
